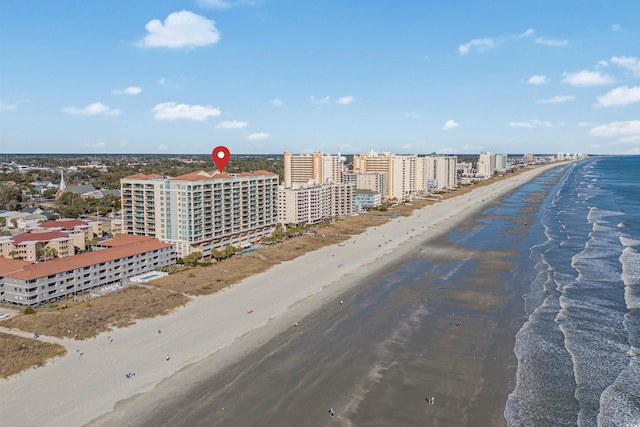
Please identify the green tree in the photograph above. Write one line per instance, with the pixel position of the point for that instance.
(192, 259)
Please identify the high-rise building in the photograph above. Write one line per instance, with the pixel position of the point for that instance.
(372, 181)
(316, 168)
(437, 172)
(501, 162)
(408, 175)
(486, 164)
(400, 171)
(310, 204)
(200, 211)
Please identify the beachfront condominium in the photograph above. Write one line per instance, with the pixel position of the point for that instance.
(26, 283)
(316, 168)
(408, 175)
(400, 171)
(311, 204)
(369, 181)
(201, 211)
(486, 164)
(501, 163)
(437, 173)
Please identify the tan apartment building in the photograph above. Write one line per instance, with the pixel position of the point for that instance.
(486, 164)
(41, 245)
(407, 175)
(309, 169)
(372, 181)
(400, 170)
(312, 204)
(201, 211)
(437, 171)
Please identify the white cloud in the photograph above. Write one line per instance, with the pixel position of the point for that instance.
(557, 99)
(182, 29)
(163, 147)
(258, 136)
(172, 111)
(93, 109)
(585, 124)
(537, 79)
(531, 124)
(316, 101)
(162, 81)
(480, 45)
(629, 62)
(450, 124)
(550, 42)
(616, 27)
(345, 100)
(406, 146)
(233, 124)
(412, 114)
(622, 95)
(277, 102)
(6, 107)
(587, 78)
(527, 33)
(624, 131)
(131, 90)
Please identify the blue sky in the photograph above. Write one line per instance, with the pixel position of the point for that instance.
(265, 76)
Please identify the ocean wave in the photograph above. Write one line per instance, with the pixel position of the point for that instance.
(630, 261)
(629, 241)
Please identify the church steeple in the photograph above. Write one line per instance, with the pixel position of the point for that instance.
(63, 186)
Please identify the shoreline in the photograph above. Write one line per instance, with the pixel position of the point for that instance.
(95, 369)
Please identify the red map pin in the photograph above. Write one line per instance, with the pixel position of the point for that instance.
(220, 156)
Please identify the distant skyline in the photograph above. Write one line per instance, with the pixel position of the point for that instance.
(265, 76)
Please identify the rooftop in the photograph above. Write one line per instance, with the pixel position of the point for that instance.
(31, 271)
(67, 224)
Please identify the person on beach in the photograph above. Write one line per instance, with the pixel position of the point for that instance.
(168, 357)
(332, 412)
(458, 325)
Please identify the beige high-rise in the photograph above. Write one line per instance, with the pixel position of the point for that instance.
(316, 168)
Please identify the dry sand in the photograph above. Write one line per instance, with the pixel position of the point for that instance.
(90, 379)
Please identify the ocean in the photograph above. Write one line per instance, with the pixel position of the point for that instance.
(579, 349)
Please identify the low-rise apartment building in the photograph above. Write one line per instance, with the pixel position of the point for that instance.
(41, 245)
(25, 283)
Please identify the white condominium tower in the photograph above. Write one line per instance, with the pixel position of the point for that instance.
(408, 174)
(314, 203)
(486, 164)
(439, 170)
(316, 168)
(400, 171)
(501, 162)
(200, 211)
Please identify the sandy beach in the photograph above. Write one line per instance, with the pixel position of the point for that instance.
(86, 385)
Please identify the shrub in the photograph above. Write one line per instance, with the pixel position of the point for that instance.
(29, 310)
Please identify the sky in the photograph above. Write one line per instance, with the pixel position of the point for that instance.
(347, 76)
